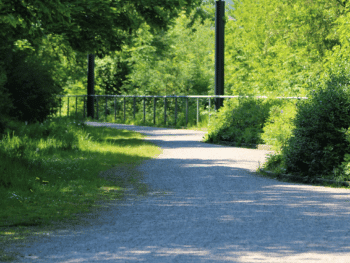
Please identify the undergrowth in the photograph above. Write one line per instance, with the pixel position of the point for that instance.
(240, 121)
(319, 145)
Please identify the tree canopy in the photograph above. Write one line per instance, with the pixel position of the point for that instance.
(87, 25)
(279, 46)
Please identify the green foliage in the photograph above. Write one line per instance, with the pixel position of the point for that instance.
(343, 171)
(240, 121)
(93, 25)
(176, 62)
(32, 88)
(111, 74)
(319, 144)
(277, 46)
(275, 163)
(279, 125)
(67, 66)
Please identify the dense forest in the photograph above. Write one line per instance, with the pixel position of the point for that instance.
(281, 48)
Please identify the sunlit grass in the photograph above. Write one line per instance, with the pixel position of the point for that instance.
(56, 170)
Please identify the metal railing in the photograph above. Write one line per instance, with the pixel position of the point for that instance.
(97, 103)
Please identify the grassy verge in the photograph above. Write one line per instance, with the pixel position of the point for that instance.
(319, 181)
(53, 171)
(274, 168)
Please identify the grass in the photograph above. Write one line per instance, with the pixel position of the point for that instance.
(56, 170)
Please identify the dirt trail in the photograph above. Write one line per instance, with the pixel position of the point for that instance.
(205, 205)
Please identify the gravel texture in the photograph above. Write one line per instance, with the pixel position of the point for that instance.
(206, 205)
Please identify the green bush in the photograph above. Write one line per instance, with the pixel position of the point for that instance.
(343, 171)
(240, 121)
(319, 142)
(32, 88)
(279, 125)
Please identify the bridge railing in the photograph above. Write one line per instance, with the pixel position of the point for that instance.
(120, 103)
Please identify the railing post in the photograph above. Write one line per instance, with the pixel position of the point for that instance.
(134, 106)
(197, 111)
(209, 109)
(186, 111)
(60, 106)
(84, 107)
(154, 110)
(115, 108)
(97, 113)
(124, 110)
(68, 106)
(106, 108)
(144, 110)
(165, 110)
(175, 110)
(76, 107)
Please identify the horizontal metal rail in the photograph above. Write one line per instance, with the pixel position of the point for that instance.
(155, 97)
(183, 96)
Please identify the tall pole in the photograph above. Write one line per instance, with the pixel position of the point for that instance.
(219, 52)
(91, 85)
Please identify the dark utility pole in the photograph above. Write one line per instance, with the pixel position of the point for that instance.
(91, 85)
(219, 52)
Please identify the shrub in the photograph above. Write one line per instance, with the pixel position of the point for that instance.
(279, 125)
(240, 121)
(319, 144)
(32, 89)
(343, 171)
(275, 163)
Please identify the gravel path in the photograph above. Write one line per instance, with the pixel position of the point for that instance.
(206, 205)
